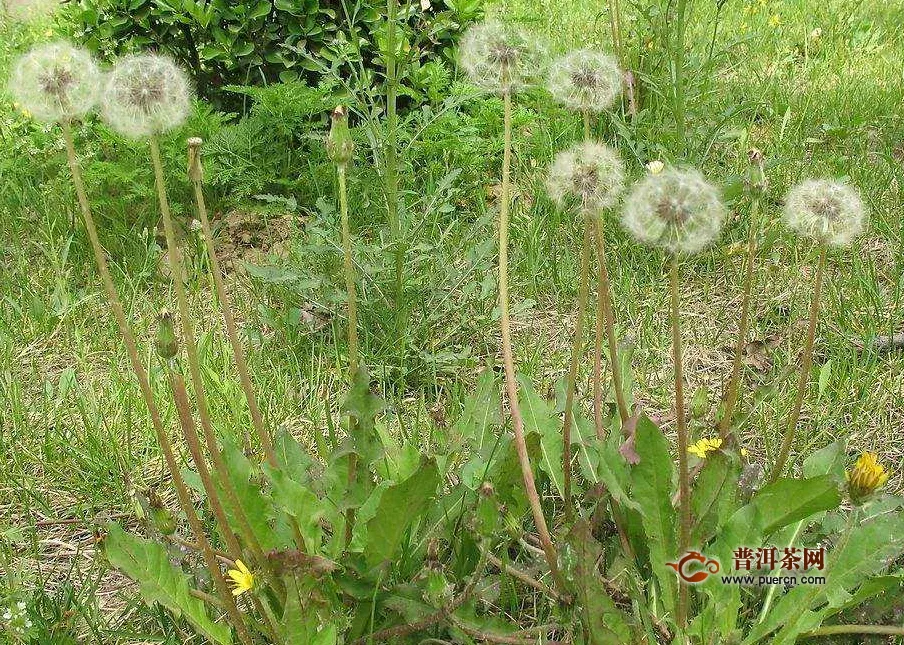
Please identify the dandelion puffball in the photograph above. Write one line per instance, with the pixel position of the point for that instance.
(589, 174)
(675, 209)
(829, 211)
(146, 95)
(501, 58)
(585, 80)
(56, 82)
(25, 10)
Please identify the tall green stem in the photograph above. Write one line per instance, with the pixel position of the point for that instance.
(145, 387)
(194, 363)
(391, 154)
(511, 386)
(606, 315)
(349, 265)
(734, 382)
(583, 294)
(681, 422)
(679, 60)
(806, 363)
(196, 175)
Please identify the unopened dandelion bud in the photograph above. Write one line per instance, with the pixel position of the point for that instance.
(830, 212)
(757, 183)
(146, 95)
(700, 403)
(589, 175)
(195, 168)
(675, 209)
(866, 477)
(339, 144)
(501, 58)
(56, 83)
(167, 345)
(585, 80)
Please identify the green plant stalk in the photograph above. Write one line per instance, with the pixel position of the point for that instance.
(734, 382)
(679, 59)
(349, 266)
(832, 630)
(145, 387)
(190, 433)
(583, 294)
(806, 364)
(587, 131)
(684, 483)
(511, 385)
(615, 27)
(391, 155)
(196, 175)
(606, 314)
(191, 348)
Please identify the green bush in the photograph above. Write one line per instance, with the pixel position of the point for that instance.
(240, 43)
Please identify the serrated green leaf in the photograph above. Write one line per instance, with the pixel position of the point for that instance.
(715, 495)
(160, 582)
(651, 489)
(786, 501)
(540, 418)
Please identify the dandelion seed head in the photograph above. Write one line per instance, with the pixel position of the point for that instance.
(675, 209)
(831, 212)
(501, 58)
(585, 80)
(146, 95)
(590, 175)
(56, 82)
(28, 10)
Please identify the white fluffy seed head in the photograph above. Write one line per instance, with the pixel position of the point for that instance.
(585, 80)
(27, 10)
(501, 58)
(588, 175)
(830, 212)
(675, 209)
(146, 95)
(56, 82)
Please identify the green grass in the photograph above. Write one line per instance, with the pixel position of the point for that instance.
(75, 439)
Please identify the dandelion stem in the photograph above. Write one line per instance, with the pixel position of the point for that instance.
(606, 314)
(587, 131)
(391, 155)
(191, 348)
(734, 382)
(145, 387)
(806, 363)
(511, 386)
(832, 630)
(241, 363)
(681, 422)
(583, 293)
(349, 264)
(190, 433)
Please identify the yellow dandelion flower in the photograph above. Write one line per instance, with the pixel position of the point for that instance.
(704, 447)
(775, 20)
(242, 578)
(866, 476)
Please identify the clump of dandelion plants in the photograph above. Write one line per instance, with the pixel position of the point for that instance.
(146, 96)
(503, 59)
(585, 81)
(680, 212)
(587, 178)
(833, 215)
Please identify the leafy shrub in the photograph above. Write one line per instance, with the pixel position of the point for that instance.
(240, 43)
